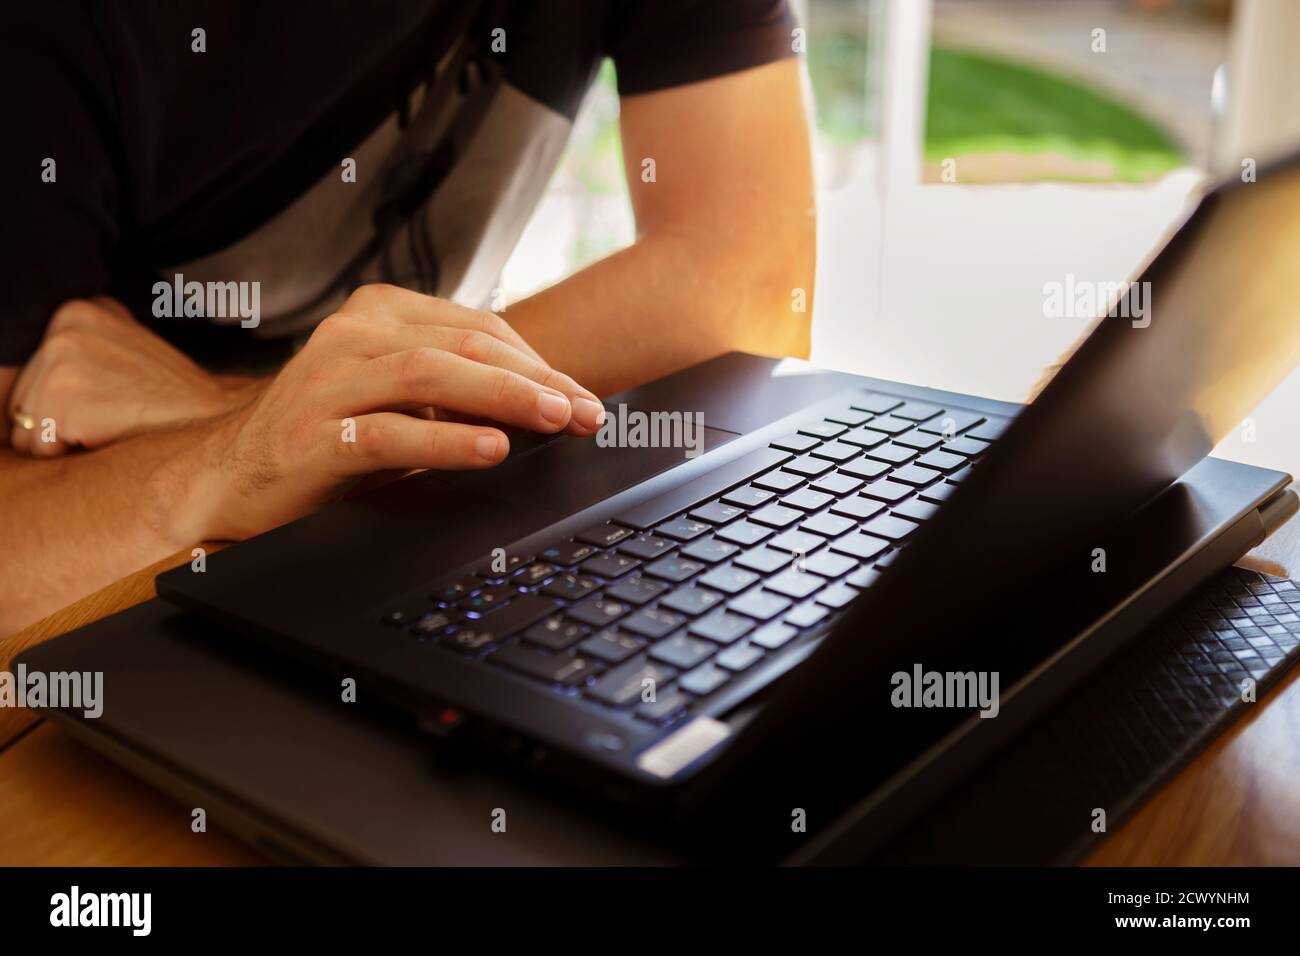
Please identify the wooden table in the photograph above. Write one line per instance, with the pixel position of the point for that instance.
(62, 804)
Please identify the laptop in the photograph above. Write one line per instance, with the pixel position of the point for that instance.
(654, 628)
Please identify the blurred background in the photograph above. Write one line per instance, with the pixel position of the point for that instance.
(970, 151)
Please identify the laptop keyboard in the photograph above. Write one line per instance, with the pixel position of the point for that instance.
(695, 587)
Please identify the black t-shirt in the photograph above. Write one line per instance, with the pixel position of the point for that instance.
(224, 164)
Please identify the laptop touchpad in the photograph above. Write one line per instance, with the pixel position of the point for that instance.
(570, 474)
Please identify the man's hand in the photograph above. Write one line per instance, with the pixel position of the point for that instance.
(101, 376)
(394, 380)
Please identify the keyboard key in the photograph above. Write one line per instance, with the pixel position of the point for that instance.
(603, 535)
(885, 560)
(778, 481)
(794, 584)
(837, 596)
(863, 577)
(564, 669)
(836, 451)
(915, 475)
(917, 411)
(675, 570)
(646, 546)
(637, 590)
(449, 592)
(704, 680)
(887, 526)
(862, 546)
(489, 599)
(611, 646)
(570, 586)
(498, 568)
(729, 580)
(919, 440)
(828, 564)
(744, 533)
(652, 623)
(887, 491)
(524, 610)
(892, 453)
(468, 640)
(598, 611)
(848, 416)
(864, 438)
(796, 542)
(610, 565)
(722, 628)
(748, 497)
(773, 636)
(917, 510)
(823, 429)
(796, 443)
(805, 499)
(715, 512)
(692, 601)
(890, 425)
(857, 507)
(952, 422)
(555, 634)
(763, 560)
(664, 707)
(710, 550)
(760, 605)
(938, 493)
(960, 475)
(864, 469)
(568, 554)
(682, 651)
(534, 575)
(941, 461)
(776, 516)
(630, 683)
(806, 615)
(808, 466)
(682, 529)
(431, 625)
(739, 657)
(827, 525)
(990, 430)
(836, 483)
(966, 446)
(645, 516)
(875, 403)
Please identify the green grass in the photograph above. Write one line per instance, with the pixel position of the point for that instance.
(979, 105)
(982, 105)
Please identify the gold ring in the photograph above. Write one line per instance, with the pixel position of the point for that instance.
(24, 421)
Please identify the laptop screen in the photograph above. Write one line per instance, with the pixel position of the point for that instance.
(1210, 326)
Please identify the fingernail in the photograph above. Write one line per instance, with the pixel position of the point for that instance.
(488, 447)
(554, 408)
(587, 413)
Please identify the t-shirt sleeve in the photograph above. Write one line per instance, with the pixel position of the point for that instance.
(58, 221)
(656, 44)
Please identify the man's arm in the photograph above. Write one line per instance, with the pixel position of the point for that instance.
(726, 234)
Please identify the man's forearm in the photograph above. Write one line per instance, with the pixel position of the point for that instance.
(73, 525)
(667, 302)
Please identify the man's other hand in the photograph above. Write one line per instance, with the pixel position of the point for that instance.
(100, 376)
